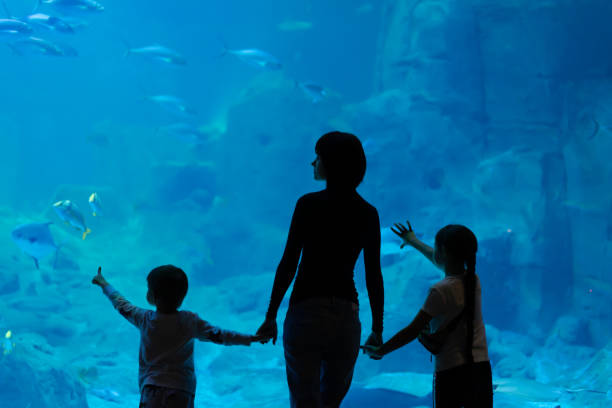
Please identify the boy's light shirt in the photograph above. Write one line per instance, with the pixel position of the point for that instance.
(166, 342)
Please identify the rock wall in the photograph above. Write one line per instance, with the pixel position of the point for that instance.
(519, 88)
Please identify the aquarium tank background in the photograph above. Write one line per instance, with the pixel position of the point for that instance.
(195, 123)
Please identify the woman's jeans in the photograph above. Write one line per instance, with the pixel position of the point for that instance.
(321, 340)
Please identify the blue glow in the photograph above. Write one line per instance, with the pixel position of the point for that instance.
(194, 122)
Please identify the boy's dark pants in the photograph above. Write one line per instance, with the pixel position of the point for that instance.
(161, 397)
(321, 340)
(468, 386)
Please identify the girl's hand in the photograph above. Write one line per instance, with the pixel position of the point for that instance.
(372, 351)
(406, 234)
(99, 279)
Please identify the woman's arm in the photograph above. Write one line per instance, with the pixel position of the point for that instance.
(285, 272)
(373, 274)
(410, 238)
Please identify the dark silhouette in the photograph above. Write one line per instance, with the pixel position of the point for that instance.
(329, 229)
(463, 372)
(166, 375)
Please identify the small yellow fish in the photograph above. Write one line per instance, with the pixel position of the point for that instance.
(7, 344)
(69, 213)
(94, 204)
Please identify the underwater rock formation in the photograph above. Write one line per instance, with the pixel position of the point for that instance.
(526, 83)
(9, 281)
(32, 376)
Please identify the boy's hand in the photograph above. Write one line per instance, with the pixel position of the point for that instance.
(406, 234)
(259, 338)
(99, 279)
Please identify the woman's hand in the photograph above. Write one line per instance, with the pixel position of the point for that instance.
(374, 352)
(256, 338)
(268, 330)
(406, 234)
(372, 344)
(99, 279)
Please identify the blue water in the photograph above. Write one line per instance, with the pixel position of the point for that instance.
(494, 116)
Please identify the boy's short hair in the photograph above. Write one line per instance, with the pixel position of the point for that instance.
(169, 286)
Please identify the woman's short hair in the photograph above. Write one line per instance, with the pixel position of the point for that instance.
(343, 159)
(169, 286)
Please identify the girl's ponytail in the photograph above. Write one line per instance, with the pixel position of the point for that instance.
(461, 243)
(469, 288)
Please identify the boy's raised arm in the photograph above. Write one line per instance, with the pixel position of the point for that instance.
(133, 314)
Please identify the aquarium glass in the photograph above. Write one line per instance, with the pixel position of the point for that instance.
(141, 133)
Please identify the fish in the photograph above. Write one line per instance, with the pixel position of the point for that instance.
(69, 213)
(174, 105)
(596, 128)
(50, 23)
(158, 53)
(185, 132)
(94, 204)
(7, 344)
(294, 25)
(35, 239)
(42, 20)
(76, 23)
(11, 28)
(39, 46)
(314, 91)
(74, 5)
(256, 58)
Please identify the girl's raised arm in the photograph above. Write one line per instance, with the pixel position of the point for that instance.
(409, 237)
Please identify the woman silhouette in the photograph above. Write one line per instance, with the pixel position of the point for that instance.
(329, 229)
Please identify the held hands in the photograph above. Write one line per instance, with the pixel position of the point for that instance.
(99, 279)
(372, 346)
(267, 331)
(406, 234)
(257, 338)
(373, 352)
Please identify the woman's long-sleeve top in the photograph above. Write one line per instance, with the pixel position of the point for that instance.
(329, 230)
